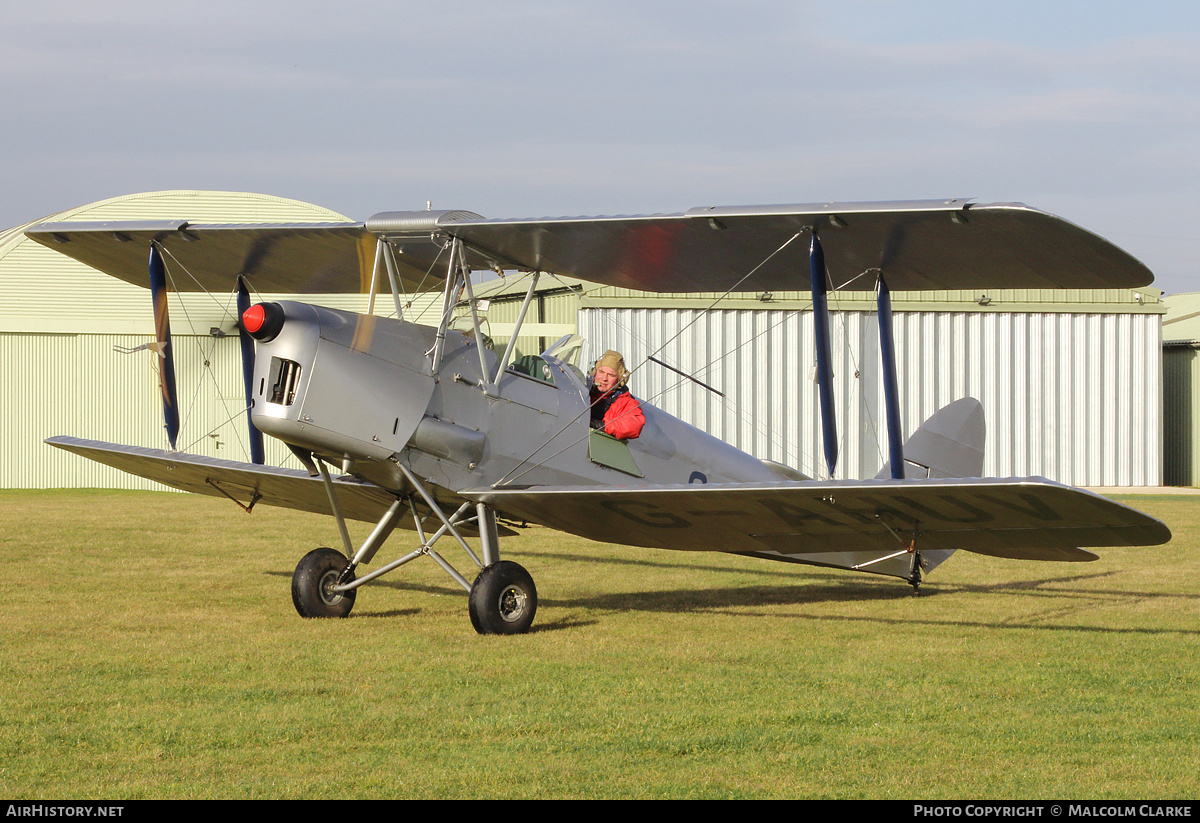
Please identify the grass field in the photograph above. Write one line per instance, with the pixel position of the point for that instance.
(151, 651)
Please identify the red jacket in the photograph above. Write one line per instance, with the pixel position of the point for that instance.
(623, 417)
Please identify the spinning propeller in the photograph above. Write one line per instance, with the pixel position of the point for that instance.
(166, 355)
(245, 338)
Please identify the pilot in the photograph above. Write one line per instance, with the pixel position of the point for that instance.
(614, 409)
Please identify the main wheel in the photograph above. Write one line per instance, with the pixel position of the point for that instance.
(503, 599)
(313, 581)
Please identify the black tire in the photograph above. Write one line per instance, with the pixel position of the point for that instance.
(503, 599)
(315, 575)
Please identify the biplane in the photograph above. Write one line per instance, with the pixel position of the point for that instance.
(436, 430)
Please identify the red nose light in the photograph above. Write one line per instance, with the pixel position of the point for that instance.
(262, 321)
(254, 317)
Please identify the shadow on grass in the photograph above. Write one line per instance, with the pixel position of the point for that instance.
(1062, 595)
(764, 602)
(739, 597)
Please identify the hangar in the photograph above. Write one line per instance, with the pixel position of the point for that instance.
(1181, 379)
(70, 338)
(1071, 381)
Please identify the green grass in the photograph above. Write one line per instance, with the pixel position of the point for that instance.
(151, 651)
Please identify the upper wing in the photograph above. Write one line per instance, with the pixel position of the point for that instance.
(951, 244)
(306, 258)
(1029, 519)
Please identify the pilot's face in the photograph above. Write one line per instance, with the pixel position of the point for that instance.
(606, 379)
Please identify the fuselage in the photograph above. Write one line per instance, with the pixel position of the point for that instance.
(364, 392)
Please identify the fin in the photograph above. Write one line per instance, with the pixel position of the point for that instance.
(948, 444)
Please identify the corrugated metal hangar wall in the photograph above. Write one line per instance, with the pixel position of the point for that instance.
(1070, 381)
(1181, 377)
(1071, 389)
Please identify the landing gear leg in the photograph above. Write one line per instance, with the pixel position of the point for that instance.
(502, 600)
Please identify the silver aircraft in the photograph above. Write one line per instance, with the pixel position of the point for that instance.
(431, 430)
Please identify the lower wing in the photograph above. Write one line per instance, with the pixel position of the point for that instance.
(1023, 518)
(247, 483)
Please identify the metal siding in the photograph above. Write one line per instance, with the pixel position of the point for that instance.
(1069, 396)
(78, 385)
(1181, 413)
(1072, 397)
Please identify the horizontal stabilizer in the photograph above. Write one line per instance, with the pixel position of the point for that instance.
(1022, 518)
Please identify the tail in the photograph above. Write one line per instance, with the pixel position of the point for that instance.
(948, 444)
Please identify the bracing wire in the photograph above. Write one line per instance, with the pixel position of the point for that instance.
(727, 403)
(206, 358)
(757, 422)
(726, 294)
(872, 422)
(408, 301)
(511, 474)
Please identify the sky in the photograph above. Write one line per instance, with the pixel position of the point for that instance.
(529, 108)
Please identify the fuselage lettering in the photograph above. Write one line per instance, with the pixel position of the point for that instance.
(649, 516)
(973, 515)
(797, 516)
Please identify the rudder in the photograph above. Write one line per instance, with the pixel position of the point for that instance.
(948, 444)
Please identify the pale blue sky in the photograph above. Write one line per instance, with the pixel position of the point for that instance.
(1088, 110)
